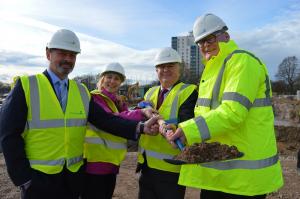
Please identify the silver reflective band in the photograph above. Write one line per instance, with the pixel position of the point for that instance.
(203, 102)
(58, 162)
(262, 102)
(37, 123)
(175, 104)
(75, 122)
(155, 154)
(48, 162)
(151, 93)
(238, 98)
(202, 128)
(107, 143)
(34, 98)
(242, 164)
(74, 160)
(84, 97)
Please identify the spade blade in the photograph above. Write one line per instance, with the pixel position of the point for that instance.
(181, 162)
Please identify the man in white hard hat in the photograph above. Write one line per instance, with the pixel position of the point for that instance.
(43, 123)
(175, 102)
(233, 107)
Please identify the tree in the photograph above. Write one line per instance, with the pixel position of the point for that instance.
(279, 87)
(4, 88)
(288, 72)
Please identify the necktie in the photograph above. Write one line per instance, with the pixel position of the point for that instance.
(161, 97)
(62, 95)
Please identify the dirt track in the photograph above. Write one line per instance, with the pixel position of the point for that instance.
(127, 185)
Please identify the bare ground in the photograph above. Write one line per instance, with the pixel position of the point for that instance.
(127, 183)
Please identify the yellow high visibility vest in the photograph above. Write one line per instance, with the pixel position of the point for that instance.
(54, 138)
(101, 146)
(234, 107)
(156, 148)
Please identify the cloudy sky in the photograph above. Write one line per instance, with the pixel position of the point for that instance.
(131, 31)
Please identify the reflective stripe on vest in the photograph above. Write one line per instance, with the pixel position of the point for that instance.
(37, 123)
(214, 102)
(203, 128)
(107, 143)
(102, 141)
(150, 93)
(242, 164)
(260, 102)
(155, 154)
(59, 162)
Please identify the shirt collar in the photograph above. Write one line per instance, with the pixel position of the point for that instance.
(56, 79)
(161, 88)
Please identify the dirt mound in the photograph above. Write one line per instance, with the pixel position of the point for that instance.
(207, 152)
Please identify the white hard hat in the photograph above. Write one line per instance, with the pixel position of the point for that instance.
(167, 55)
(66, 40)
(114, 67)
(206, 25)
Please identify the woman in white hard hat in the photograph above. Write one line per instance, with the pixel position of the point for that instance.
(104, 152)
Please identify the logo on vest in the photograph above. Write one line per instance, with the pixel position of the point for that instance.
(77, 113)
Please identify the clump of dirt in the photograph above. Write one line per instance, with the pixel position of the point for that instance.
(208, 152)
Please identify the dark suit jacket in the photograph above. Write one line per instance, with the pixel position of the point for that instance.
(13, 117)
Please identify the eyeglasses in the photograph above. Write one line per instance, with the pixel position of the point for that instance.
(209, 39)
(168, 66)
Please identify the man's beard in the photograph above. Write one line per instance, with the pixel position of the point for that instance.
(63, 70)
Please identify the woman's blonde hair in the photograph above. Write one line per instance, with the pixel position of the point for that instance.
(100, 82)
(101, 79)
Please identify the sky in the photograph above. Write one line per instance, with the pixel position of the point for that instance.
(131, 31)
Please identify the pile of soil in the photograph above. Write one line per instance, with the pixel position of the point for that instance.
(208, 152)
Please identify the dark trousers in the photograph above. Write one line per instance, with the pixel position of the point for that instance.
(207, 194)
(157, 184)
(99, 186)
(64, 185)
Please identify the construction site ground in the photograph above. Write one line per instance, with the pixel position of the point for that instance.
(127, 183)
(288, 142)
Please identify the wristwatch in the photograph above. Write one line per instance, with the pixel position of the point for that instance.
(142, 125)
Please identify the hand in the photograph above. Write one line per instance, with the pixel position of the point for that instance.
(151, 127)
(171, 136)
(164, 127)
(149, 112)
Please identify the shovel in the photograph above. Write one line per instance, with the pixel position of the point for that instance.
(181, 162)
